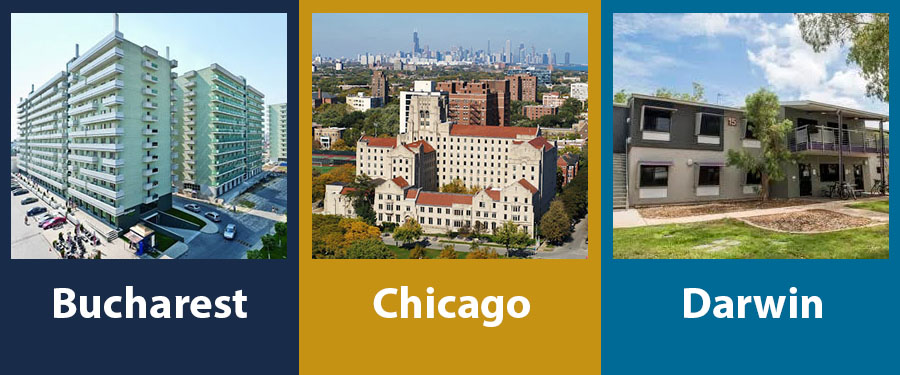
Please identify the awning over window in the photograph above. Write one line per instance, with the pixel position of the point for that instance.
(710, 164)
(654, 162)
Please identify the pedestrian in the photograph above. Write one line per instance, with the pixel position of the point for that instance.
(26, 220)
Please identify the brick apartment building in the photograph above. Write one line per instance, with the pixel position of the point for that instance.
(380, 86)
(522, 87)
(477, 103)
(534, 112)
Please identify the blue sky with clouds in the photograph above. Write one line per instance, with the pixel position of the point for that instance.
(732, 55)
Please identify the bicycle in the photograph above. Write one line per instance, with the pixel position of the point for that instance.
(879, 187)
(846, 191)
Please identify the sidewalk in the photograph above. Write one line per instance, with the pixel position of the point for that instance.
(632, 217)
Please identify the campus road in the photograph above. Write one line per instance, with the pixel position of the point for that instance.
(26, 241)
(574, 249)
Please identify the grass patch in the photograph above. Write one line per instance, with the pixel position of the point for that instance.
(246, 203)
(322, 169)
(163, 242)
(877, 206)
(186, 216)
(403, 253)
(678, 241)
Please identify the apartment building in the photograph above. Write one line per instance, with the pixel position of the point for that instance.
(514, 168)
(380, 86)
(579, 90)
(363, 103)
(673, 151)
(534, 112)
(478, 103)
(553, 99)
(420, 88)
(278, 132)
(522, 87)
(97, 134)
(220, 143)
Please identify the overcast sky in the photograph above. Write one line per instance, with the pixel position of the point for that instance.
(251, 45)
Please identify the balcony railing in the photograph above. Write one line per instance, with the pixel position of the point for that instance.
(149, 132)
(105, 132)
(105, 73)
(99, 90)
(90, 107)
(149, 91)
(105, 58)
(151, 185)
(113, 100)
(150, 158)
(149, 118)
(150, 105)
(149, 65)
(96, 146)
(824, 138)
(109, 116)
(108, 177)
(150, 145)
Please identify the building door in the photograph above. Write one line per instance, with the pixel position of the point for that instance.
(805, 179)
(858, 176)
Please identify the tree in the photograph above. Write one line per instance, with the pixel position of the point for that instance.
(869, 38)
(417, 252)
(410, 231)
(316, 145)
(449, 252)
(362, 194)
(510, 235)
(345, 173)
(457, 186)
(356, 229)
(371, 248)
(274, 246)
(560, 177)
(762, 118)
(340, 145)
(556, 225)
(481, 252)
(696, 96)
(574, 194)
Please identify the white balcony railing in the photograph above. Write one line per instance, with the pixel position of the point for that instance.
(105, 73)
(105, 132)
(96, 146)
(108, 177)
(113, 100)
(99, 90)
(104, 59)
(89, 107)
(103, 117)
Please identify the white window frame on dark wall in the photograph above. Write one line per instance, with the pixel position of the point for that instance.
(708, 139)
(653, 135)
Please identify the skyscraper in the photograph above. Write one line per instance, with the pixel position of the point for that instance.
(415, 42)
(508, 52)
(567, 58)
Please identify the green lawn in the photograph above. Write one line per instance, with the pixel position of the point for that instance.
(878, 206)
(186, 216)
(163, 242)
(678, 241)
(322, 169)
(430, 253)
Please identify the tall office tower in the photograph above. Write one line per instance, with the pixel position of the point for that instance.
(97, 134)
(278, 132)
(508, 52)
(221, 118)
(415, 43)
(379, 86)
(567, 58)
(489, 47)
(553, 58)
(545, 59)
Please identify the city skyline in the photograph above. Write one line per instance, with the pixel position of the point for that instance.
(395, 32)
(187, 35)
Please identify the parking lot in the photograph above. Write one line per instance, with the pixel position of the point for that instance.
(29, 241)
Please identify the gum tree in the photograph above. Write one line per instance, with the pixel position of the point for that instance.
(762, 115)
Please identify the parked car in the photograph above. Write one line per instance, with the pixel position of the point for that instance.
(230, 229)
(29, 200)
(37, 210)
(53, 223)
(192, 207)
(20, 191)
(213, 216)
(42, 218)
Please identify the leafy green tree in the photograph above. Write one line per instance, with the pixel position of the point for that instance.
(510, 235)
(574, 195)
(363, 197)
(762, 116)
(457, 186)
(410, 231)
(696, 96)
(371, 248)
(868, 36)
(620, 97)
(417, 252)
(449, 252)
(556, 225)
(481, 252)
(274, 245)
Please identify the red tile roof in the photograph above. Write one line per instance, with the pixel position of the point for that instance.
(427, 147)
(540, 142)
(346, 190)
(380, 141)
(491, 131)
(528, 186)
(400, 181)
(431, 198)
(494, 194)
(411, 193)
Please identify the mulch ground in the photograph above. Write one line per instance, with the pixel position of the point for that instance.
(809, 221)
(667, 212)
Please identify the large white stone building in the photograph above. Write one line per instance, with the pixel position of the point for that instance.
(514, 168)
(579, 90)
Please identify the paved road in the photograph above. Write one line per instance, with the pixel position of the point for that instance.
(574, 249)
(250, 228)
(26, 241)
(274, 194)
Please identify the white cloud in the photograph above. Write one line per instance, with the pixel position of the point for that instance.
(634, 64)
(674, 26)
